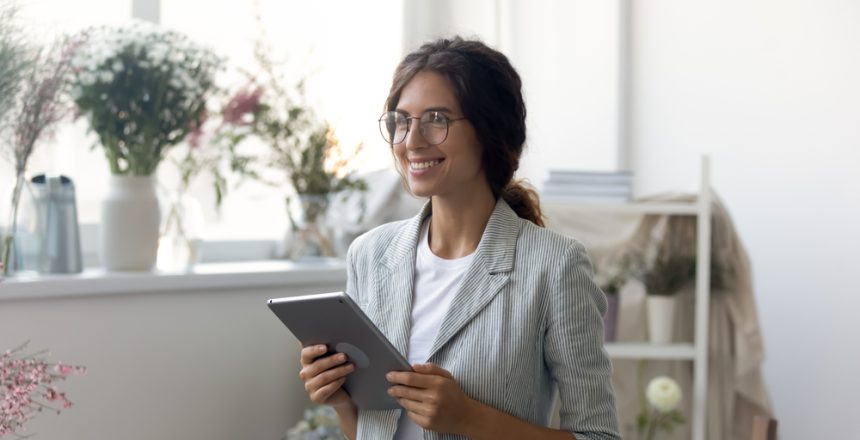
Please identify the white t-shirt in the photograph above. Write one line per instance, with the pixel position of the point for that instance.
(436, 282)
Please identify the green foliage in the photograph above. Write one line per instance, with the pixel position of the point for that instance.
(301, 148)
(14, 61)
(668, 274)
(650, 421)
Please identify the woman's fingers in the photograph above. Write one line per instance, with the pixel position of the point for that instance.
(415, 380)
(316, 367)
(327, 377)
(322, 394)
(412, 406)
(416, 394)
(312, 352)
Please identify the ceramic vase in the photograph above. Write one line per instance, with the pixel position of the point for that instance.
(130, 221)
(661, 318)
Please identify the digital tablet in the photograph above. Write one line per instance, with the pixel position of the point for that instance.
(335, 320)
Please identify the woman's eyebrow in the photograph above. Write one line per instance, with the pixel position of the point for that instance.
(442, 109)
(438, 109)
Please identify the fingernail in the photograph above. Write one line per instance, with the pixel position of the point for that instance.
(341, 357)
(389, 376)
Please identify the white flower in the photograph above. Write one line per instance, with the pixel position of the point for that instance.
(663, 393)
(87, 79)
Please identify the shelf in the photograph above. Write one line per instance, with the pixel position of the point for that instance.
(644, 350)
(206, 276)
(675, 208)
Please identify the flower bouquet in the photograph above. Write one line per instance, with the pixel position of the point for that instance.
(28, 387)
(143, 90)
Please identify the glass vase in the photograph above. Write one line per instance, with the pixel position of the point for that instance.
(179, 241)
(17, 238)
(309, 236)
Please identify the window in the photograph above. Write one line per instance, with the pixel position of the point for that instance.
(348, 50)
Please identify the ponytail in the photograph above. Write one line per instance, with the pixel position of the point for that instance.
(524, 200)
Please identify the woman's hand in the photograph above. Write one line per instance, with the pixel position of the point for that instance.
(324, 376)
(432, 398)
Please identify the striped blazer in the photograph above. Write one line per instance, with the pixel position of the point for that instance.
(526, 321)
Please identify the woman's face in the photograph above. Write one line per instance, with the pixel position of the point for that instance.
(450, 168)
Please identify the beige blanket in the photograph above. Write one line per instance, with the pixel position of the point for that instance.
(736, 390)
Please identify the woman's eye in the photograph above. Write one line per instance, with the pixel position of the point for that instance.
(437, 118)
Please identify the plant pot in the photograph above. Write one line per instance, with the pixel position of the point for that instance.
(661, 318)
(129, 228)
(610, 320)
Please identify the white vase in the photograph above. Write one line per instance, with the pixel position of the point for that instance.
(661, 318)
(130, 220)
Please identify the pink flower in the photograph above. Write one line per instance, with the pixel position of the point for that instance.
(24, 380)
(243, 103)
(65, 370)
(197, 130)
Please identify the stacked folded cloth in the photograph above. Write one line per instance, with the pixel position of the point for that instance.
(588, 186)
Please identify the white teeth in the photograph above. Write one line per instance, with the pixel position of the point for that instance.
(424, 165)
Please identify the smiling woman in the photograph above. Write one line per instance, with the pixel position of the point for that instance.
(493, 311)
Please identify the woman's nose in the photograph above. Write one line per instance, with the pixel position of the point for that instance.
(414, 138)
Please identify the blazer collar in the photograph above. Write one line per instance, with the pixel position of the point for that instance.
(495, 251)
(485, 277)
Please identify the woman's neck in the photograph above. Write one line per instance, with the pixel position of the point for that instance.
(458, 223)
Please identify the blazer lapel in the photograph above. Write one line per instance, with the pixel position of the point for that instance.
(488, 273)
(396, 275)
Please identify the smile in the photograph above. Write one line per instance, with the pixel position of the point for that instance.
(424, 165)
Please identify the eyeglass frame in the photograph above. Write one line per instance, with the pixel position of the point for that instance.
(409, 119)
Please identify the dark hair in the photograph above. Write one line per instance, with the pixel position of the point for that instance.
(489, 91)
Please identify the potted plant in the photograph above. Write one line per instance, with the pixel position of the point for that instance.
(302, 150)
(663, 277)
(32, 85)
(611, 274)
(142, 89)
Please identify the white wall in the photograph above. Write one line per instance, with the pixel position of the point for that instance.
(771, 89)
(559, 49)
(191, 364)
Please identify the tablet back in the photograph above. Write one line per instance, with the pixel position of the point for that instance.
(336, 320)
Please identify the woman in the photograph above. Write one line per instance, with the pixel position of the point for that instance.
(493, 311)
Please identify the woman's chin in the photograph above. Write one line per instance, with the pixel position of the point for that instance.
(420, 191)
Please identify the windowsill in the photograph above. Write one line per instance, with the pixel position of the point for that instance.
(205, 276)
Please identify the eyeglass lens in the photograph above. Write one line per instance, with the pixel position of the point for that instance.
(395, 125)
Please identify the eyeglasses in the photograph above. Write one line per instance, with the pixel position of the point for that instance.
(394, 126)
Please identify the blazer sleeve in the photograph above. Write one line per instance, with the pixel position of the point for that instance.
(574, 350)
(351, 274)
